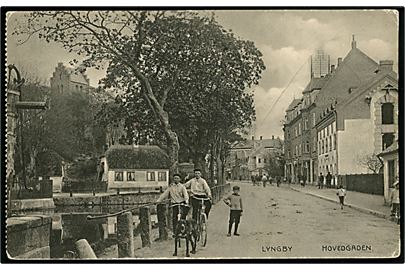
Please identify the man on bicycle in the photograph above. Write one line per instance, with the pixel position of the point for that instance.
(178, 195)
(199, 189)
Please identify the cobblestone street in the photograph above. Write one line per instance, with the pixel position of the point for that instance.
(283, 223)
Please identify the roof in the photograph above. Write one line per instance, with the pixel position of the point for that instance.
(263, 143)
(137, 157)
(316, 84)
(293, 104)
(76, 76)
(392, 148)
(356, 69)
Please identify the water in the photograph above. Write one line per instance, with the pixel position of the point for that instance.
(70, 224)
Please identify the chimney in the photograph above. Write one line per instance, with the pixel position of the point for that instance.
(354, 44)
(332, 69)
(386, 65)
(261, 137)
(339, 61)
(272, 137)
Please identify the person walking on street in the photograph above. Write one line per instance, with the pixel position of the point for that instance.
(253, 180)
(264, 180)
(395, 199)
(341, 193)
(178, 195)
(278, 180)
(328, 180)
(320, 181)
(234, 201)
(199, 189)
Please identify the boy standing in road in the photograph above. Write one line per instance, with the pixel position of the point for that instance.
(234, 201)
(341, 193)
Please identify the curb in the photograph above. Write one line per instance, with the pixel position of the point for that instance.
(358, 208)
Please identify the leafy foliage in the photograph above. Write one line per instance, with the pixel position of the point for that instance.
(183, 76)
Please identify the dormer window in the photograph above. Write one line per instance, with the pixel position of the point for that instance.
(387, 116)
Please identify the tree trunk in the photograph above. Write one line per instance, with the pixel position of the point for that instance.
(173, 152)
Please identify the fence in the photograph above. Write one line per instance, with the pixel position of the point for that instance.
(84, 186)
(366, 183)
(37, 189)
(126, 231)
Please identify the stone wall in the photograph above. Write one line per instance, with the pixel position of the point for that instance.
(28, 237)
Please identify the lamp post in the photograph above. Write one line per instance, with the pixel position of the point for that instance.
(17, 107)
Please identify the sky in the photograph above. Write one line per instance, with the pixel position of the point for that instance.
(286, 38)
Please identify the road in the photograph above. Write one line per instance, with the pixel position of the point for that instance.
(282, 223)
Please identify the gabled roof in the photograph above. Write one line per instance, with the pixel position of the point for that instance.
(76, 76)
(392, 148)
(316, 84)
(293, 104)
(265, 143)
(137, 157)
(356, 69)
(367, 85)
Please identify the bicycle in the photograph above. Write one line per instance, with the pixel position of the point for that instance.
(202, 222)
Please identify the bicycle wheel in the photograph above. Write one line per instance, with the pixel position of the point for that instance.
(203, 229)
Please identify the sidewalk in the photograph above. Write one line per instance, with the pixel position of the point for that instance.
(366, 203)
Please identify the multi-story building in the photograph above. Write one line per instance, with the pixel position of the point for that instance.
(66, 79)
(250, 157)
(352, 112)
(300, 125)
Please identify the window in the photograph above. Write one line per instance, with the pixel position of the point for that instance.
(61, 89)
(313, 119)
(150, 176)
(387, 140)
(305, 124)
(387, 113)
(260, 160)
(323, 149)
(307, 147)
(265, 161)
(162, 176)
(119, 176)
(334, 141)
(77, 87)
(299, 128)
(330, 144)
(130, 176)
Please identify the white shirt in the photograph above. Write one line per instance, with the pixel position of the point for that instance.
(341, 192)
(198, 186)
(177, 192)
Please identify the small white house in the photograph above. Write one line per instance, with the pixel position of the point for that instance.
(130, 167)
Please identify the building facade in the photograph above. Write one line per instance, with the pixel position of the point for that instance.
(65, 79)
(250, 157)
(346, 115)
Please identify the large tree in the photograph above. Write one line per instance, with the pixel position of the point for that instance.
(172, 66)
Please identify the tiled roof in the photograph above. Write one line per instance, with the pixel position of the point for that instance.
(293, 104)
(263, 143)
(392, 148)
(316, 84)
(356, 69)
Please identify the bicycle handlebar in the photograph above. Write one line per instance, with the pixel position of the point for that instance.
(179, 204)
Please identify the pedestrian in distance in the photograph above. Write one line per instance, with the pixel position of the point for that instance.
(253, 180)
(395, 199)
(234, 201)
(264, 180)
(328, 180)
(278, 179)
(341, 193)
(320, 181)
